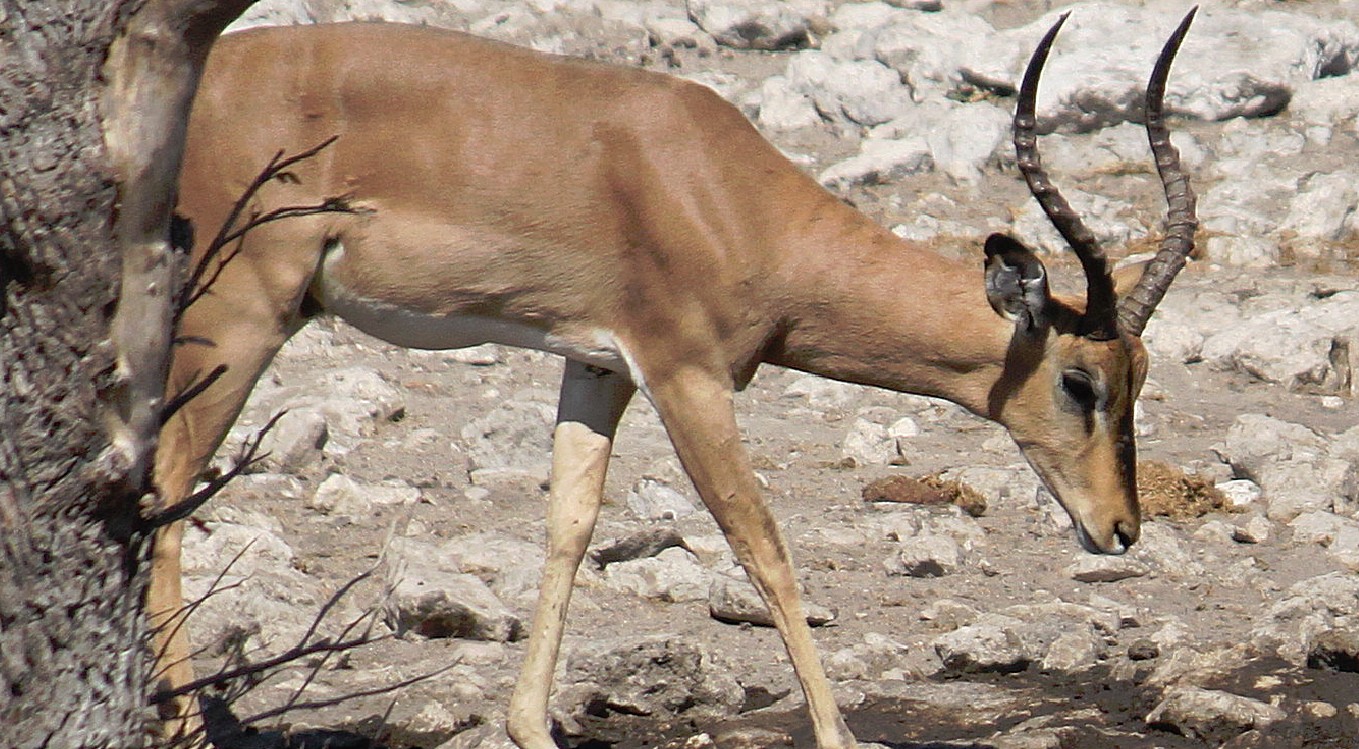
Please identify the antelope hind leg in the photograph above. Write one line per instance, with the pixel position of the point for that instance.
(592, 402)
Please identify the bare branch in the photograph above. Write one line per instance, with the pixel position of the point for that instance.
(370, 617)
(248, 457)
(213, 262)
(189, 608)
(234, 681)
(190, 393)
(302, 648)
(329, 205)
(292, 655)
(317, 704)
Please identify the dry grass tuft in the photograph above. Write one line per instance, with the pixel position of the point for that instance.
(1167, 491)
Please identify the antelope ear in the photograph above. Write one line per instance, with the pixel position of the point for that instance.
(1016, 283)
(1126, 278)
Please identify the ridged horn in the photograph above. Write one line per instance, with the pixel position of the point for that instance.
(1136, 307)
(1100, 319)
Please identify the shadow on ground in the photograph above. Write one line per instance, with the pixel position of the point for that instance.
(1081, 711)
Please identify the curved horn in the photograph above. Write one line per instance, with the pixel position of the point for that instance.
(1135, 309)
(1100, 319)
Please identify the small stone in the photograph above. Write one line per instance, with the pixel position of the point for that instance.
(485, 355)
(947, 613)
(869, 444)
(678, 32)
(992, 645)
(653, 500)
(672, 576)
(751, 738)
(750, 24)
(1143, 650)
(1256, 530)
(880, 162)
(434, 603)
(1325, 529)
(1320, 710)
(926, 555)
(1215, 530)
(1073, 651)
(821, 393)
(1211, 715)
(295, 441)
(1041, 738)
(640, 545)
(662, 677)
(734, 599)
(1093, 569)
(341, 495)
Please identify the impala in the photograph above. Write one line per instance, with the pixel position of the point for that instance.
(637, 225)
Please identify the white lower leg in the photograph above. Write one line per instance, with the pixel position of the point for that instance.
(591, 404)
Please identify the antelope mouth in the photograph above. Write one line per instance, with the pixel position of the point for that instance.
(1117, 544)
(1119, 533)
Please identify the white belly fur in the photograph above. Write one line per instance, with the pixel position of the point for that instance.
(414, 329)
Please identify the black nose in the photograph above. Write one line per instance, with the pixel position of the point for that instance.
(1125, 537)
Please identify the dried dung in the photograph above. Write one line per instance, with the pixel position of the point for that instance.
(1167, 491)
(926, 490)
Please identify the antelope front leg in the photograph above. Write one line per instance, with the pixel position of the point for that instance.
(699, 416)
(170, 639)
(592, 401)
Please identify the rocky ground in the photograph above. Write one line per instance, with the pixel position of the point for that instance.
(1239, 627)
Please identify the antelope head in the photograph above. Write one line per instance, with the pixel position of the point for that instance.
(1075, 367)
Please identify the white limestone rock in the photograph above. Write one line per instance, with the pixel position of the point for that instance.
(880, 162)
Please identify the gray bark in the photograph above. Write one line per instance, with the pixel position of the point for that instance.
(93, 102)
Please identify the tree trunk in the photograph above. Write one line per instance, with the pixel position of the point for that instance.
(94, 98)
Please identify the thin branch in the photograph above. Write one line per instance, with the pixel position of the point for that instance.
(248, 458)
(302, 649)
(197, 340)
(334, 600)
(290, 656)
(329, 205)
(383, 727)
(188, 609)
(317, 704)
(201, 279)
(276, 166)
(235, 681)
(191, 392)
(196, 288)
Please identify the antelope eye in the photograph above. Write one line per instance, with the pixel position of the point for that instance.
(1080, 387)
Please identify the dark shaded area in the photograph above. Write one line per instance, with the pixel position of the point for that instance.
(1089, 709)
(1336, 651)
